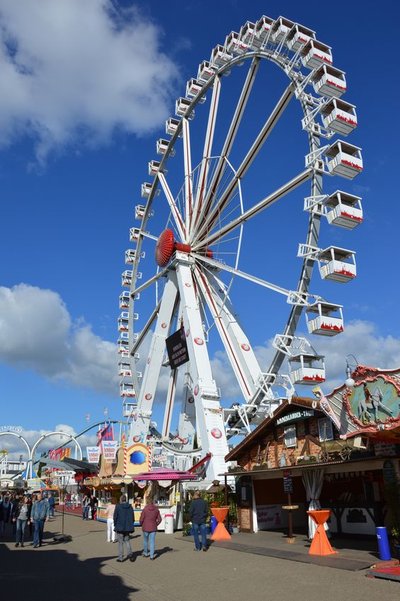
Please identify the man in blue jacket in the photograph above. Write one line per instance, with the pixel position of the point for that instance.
(198, 512)
(123, 526)
(39, 514)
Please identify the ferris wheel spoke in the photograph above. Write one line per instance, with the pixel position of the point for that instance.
(145, 330)
(239, 352)
(230, 138)
(290, 294)
(150, 281)
(179, 223)
(247, 161)
(253, 211)
(208, 142)
(187, 166)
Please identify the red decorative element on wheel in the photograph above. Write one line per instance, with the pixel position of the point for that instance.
(165, 248)
(216, 433)
(163, 325)
(245, 347)
(199, 341)
(148, 396)
(196, 390)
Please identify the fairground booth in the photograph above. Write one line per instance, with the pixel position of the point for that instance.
(340, 452)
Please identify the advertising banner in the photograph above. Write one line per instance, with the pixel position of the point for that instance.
(93, 454)
(110, 448)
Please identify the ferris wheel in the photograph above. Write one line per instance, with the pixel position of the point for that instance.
(235, 216)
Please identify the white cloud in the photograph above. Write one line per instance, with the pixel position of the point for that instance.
(36, 332)
(74, 71)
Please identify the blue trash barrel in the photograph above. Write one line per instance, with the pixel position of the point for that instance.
(383, 543)
(213, 523)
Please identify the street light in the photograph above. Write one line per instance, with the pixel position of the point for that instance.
(349, 380)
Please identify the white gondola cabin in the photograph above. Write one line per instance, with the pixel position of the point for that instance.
(126, 277)
(124, 369)
(128, 409)
(145, 190)
(124, 298)
(339, 116)
(343, 210)
(171, 125)
(130, 256)
(247, 33)
(337, 264)
(234, 44)
(329, 81)
(280, 29)
(123, 336)
(307, 369)
(194, 88)
(123, 348)
(325, 319)
(154, 167)
(205, 72)
(316, 53)
(126, 390)
(182, 108)
(299, 36)
(123, 321)
(344, 159)
(134, 234)
(162, 146)
(219, 56)
(263, 31)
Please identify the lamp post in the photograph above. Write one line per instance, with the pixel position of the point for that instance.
(349, 382)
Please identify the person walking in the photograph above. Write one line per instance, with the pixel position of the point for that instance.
(5, 514)
(39, 514)
(85, 507)
(93, 507)
(51, 501)
(198, 512)
(123, 526)
(149, 520)
(111, 536)
(20, 516)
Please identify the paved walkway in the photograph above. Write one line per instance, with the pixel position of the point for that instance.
(85, 568)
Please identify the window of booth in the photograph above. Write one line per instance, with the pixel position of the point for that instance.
(289, 436)
(325, 430)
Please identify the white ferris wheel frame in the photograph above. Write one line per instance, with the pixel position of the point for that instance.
(192, 275)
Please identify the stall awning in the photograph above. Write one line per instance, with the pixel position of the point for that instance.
(165, 474)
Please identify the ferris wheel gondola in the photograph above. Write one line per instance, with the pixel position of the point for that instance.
(208, 188)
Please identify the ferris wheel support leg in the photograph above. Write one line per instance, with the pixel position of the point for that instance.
(169, 405)
(237, 346)
(209, 414)
(140, 425)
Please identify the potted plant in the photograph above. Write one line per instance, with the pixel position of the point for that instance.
(395, 539)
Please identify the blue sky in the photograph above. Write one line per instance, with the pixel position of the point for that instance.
(86, 90)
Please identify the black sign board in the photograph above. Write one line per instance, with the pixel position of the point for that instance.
(177, 349)
(287, 484)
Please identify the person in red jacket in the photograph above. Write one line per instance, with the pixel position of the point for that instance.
(149, 520)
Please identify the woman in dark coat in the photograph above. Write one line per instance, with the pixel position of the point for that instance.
(123, 526)
(149, 520)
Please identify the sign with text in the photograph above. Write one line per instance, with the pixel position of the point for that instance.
(177, 349)
(110, 448)
(288, 484)
(93, 454)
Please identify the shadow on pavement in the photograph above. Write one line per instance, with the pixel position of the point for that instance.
(32, 574)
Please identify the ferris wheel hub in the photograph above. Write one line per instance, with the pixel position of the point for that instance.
(166, 246)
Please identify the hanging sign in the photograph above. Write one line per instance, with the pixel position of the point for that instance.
(177, 349)
(288, 484)
(110, 448)
(292, 417)
(93, 454)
